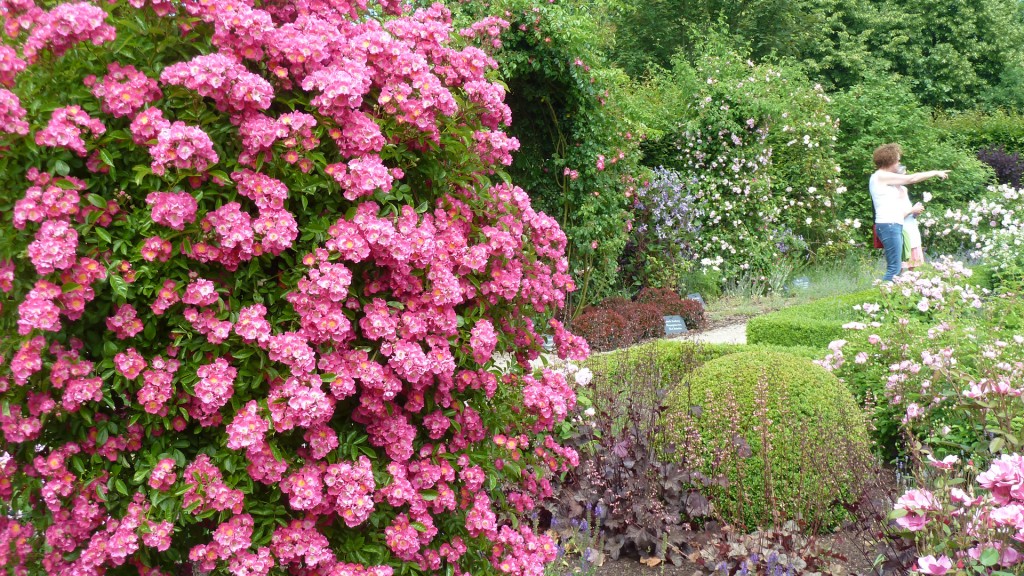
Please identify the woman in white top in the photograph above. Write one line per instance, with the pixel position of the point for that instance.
(890, 212)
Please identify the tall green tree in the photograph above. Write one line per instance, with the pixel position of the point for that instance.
(955, 54)
(826, 33)
(952, 52)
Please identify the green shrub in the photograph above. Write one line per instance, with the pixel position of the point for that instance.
(982, 277)
(814, 324)
(805, 435)
(675, 356)
(882, 110)
(975, 129)
(707, 283)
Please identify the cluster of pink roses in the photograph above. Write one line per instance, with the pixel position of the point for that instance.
(124, 90)
(989, 521)
(66, 25)
(12, 115)
(65, 129)
(10, 65)
(232, 87)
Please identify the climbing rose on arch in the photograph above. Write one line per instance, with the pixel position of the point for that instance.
(260, 265)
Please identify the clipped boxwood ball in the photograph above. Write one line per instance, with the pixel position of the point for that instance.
(786, 434)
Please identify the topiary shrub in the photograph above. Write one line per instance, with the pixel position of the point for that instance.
(678, 355)
(255, 261)
(799, 426)
(791, 329)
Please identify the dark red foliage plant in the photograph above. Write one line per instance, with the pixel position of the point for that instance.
(637, 492)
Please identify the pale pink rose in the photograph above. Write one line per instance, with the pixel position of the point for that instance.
(933, 565)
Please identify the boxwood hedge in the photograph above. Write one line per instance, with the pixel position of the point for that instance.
(812, 325)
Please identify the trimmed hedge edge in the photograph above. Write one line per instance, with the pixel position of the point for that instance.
(814, 324)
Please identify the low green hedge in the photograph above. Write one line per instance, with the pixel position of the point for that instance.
(806, 438)
(812, 325)
(677, 357)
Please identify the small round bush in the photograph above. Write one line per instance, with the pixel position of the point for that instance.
(785, 433)
(646, 320)
(665, 298)
(603, 328)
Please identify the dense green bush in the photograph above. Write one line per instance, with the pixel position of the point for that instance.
(881, 110)
(670, 355)
(951, 54)
(804, 435)
(976, 129)
(814, 324)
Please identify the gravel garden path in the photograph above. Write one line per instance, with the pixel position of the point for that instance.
(729, 334)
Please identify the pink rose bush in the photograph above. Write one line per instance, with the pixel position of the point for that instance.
(932, 358)
(978, 523)
(916, 353)
(260, 267)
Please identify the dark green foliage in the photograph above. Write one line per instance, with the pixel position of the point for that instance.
(814, 324)
(977, 129)
(883, 110)
(563, 100)
(822, 33)
(982, 277)
(951, 53)
(799, 426)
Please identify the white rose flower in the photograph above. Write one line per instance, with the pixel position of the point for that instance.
(584, 376)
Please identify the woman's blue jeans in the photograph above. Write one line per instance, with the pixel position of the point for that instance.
(891, 236)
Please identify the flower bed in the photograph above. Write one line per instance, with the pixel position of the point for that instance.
(940, 364)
